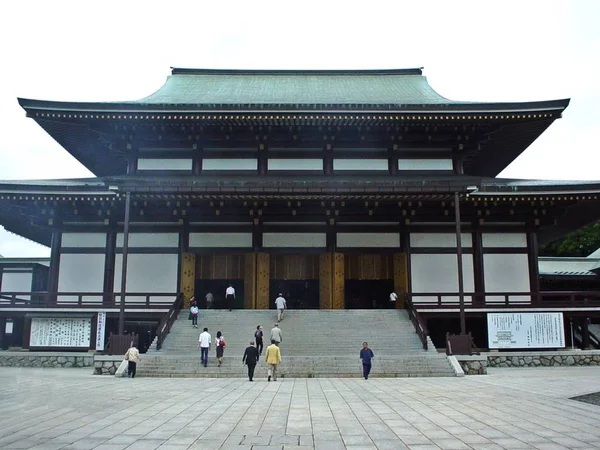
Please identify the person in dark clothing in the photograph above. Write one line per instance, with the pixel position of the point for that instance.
(250, 358)
(366, 354)
(258, 337)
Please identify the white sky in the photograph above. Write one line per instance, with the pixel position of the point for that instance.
(471, 50)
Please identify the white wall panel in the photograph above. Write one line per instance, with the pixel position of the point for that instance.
(438, 273)
(229, 164)
(148, 273)
(16, 282)
(81, 273)
(360, 164)
(170, 240)
(312, 240)
(222, 240)
(164, 164)
(425, 164)
(295, 164)
(506, 273)
(440, 240)
(84, 240)
(386, 240)
(504, 240)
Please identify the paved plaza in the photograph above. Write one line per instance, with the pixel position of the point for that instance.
(510, 408)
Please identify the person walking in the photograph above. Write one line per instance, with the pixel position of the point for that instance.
(366, 354)
(220, 345)
(204, 345)
(258, 337)
(276, 335)
(281, 305)
(194, 314)
(393, 300)
(132, 356)
(229, 297)
(273, 359)
(250, 358)
(209, 300)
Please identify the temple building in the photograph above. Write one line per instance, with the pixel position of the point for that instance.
(334, 188)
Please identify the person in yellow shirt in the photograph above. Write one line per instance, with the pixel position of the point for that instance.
(272, 358)
(132, 357)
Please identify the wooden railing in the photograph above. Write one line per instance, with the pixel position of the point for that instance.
(420, 327)
(83, 300)
(164, 327)
(544, 299)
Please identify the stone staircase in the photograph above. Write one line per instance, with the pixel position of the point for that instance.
(316, 343)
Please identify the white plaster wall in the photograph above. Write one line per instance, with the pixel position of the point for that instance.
(425, 164)
(222, 240)
(504, 240)
(163, 240)
(295, 164)
(440, 240)
(506, 273)
(439, 273)
(81, 273)
(84, 240)
(360, 164)
(16, 282)
(164, 164)
(229, 164)
(312, 240)
(380, 240)
(148, 273)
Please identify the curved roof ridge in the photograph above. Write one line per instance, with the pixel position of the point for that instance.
(299, 72)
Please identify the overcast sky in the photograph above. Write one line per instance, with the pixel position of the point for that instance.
(471, 50)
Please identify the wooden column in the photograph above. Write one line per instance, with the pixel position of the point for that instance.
(478, 274)
(2, 330)
(26, 331)
(250, 278)
(325, 281)
(338, 301)
(534, 271)
(262, 280)
(187, 276)
(400, 277)
(54, 266)
(109, 268)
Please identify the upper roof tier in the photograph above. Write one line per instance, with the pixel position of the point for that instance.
(295, 90)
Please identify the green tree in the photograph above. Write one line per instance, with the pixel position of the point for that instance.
(577, 243)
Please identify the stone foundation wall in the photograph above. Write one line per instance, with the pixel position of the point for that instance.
(106, 365)
(529, 359)
(473, 365)
(45, 359)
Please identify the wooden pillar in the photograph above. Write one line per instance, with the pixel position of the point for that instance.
(534, 272)
(585, 333)
(54, 266)
(325, 281)
(400, 277)
(187, 276)
(2, 330)
(262, 280)
(26, 331)
(250, 278)
(338, 301)
(109, 268)
(478, 274)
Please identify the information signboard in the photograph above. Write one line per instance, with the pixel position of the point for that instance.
(525, 330)
(100, 330)
(60, 332)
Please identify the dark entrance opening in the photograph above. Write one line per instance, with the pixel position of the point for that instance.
(299, 294)
(146, 331)
(217, 288)
(368, 294)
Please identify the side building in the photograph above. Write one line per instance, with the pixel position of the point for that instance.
(334, 188)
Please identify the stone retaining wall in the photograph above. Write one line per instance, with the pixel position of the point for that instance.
(545, 359)
(106, 365)
(45, 359)
(473, 365)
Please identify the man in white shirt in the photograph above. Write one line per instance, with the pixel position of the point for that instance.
(204, 345)
(229, 296)
(280, 303)
(393, 299)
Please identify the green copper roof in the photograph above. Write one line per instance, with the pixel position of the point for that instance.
(368, 87)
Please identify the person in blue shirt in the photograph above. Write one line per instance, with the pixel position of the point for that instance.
(366, 354)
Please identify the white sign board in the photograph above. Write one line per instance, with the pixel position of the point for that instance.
(60, 332)
(525, 330)
(100, 330)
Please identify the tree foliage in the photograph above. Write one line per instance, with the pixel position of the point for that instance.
(577, 243)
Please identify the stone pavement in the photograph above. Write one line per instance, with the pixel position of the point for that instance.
(510, 408)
